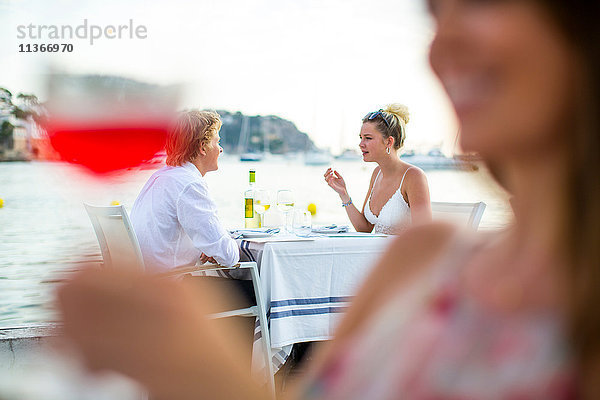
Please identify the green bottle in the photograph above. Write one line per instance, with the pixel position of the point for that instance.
(251, 217)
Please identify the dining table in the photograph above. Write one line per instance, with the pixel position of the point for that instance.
(307, 284)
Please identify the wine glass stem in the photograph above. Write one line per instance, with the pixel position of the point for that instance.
(287, 230)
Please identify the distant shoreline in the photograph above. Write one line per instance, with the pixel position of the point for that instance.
(14, 159)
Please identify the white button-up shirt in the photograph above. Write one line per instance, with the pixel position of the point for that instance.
(175, 221)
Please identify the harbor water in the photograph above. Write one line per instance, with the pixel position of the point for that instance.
(45, 232)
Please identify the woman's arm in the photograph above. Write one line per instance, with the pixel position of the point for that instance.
(417, 194)
(409, 256)
(357, 218)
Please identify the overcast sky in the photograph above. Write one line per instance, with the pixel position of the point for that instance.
(322, 64)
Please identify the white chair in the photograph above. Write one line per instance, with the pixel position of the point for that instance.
(257, 311)
(118, 244)
(120, 247)
(463, 213)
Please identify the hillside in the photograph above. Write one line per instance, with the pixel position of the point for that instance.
(276, 134)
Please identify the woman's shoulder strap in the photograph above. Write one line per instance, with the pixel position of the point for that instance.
(404, 176)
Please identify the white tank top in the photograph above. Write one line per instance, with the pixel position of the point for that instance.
(394, 215)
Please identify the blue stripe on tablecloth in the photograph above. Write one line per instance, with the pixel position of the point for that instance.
(315, 300)
(242, 247)
(307, 311)
(227, 274)
(257, 331)
(245, 247)
(279, 359)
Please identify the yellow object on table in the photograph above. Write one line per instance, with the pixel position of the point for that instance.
(312, 207)
(115, 203)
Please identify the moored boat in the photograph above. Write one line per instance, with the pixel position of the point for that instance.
(317, 157)
(434, 159)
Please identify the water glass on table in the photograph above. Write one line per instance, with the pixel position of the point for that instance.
(302, 223)
(285, 203)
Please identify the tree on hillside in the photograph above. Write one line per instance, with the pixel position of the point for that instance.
(29, 106)
(6, 104)
(28, 99)
(6, 135)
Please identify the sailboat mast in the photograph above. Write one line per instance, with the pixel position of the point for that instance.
(243, 141)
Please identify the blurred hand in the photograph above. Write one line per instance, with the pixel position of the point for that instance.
(155, 331)
(336, 182)
(204, 258)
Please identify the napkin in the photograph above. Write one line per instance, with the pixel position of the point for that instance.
(240, 233)
(333, 228)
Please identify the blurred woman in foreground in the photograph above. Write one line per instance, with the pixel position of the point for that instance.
(444, 315)
(398, 194)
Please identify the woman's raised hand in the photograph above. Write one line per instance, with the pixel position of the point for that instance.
(335, 181)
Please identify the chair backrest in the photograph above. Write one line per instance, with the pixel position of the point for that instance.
(118, 243)
(464, 213)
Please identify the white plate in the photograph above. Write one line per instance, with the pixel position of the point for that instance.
(325, 231)
(357, 234)
(251, 235)
(280, 239)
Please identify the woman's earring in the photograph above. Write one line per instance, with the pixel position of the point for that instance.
(387, 150)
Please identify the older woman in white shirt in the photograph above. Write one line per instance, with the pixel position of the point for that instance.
(174, 217)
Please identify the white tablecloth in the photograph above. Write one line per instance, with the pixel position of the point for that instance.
(308, 284)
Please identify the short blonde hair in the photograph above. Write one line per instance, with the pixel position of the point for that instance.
(190, 131)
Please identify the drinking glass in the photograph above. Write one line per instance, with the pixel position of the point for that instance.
(261, 204)
(285, 203)
(302, 223)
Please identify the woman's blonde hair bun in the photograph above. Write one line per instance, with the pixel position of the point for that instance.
(400, 110)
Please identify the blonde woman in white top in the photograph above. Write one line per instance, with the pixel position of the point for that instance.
(398, 193)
